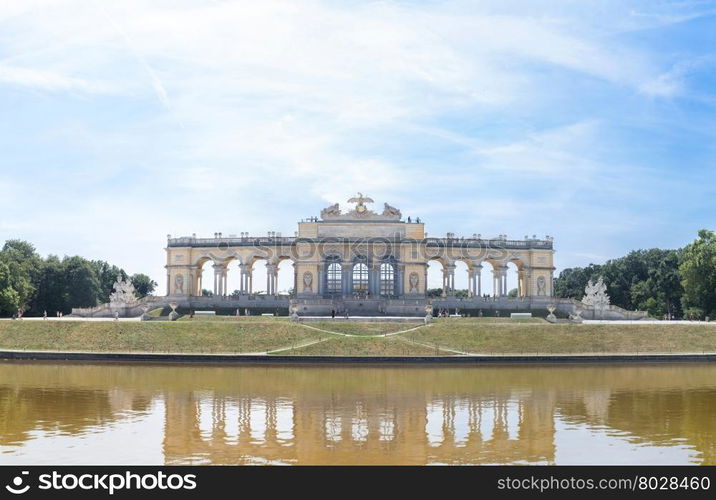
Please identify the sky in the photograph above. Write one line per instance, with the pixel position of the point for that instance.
(590, 121)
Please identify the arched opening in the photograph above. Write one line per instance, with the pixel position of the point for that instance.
(286, 278)
(204, 280)
(514, 286)
(434, 282)
(233, 277)
(360, 278)
(334, 276)
(462, 281)
(259, 275)
(486, 279)
(387, 279)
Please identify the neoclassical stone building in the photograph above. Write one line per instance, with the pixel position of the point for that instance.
(361, 260)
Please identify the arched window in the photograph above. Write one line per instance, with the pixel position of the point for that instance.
(333, 278)
(360, 277)
(387, 279)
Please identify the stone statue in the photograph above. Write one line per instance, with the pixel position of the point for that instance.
(428, 314)
(179, 284)
(293, 308)
(390, 211)
(361, 211)
(595, 295)
(307, 282)
(414, 279)
(361, 201)
(541, 286)
(551, 317)
(331, 211)
(123, 294)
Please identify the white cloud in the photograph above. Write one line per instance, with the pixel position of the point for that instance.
(555, 152)
(49, 80)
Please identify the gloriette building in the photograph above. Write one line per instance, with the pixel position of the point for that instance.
(360, 260)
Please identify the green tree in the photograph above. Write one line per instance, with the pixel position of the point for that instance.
(81, 282)
(9, 297)
(571, 282)
(657, 288)
(698, 274)
(51, 295)
(435, 292)
(206, 293)
(143, 284)
(24, 268)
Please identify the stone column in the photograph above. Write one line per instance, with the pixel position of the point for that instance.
(224, 281)
(295, 279)
(449, 279)
(528, 282)
(445, 282)
(321, 284)
(425, 280)
(399, 280)
(269, 278)
(374, 279)
(347, 278)
(217, 279)
(243, 281)
(197, 281)
(478, 281)
(274, 285)
(496, 283)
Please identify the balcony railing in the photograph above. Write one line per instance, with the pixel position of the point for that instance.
(189, 241)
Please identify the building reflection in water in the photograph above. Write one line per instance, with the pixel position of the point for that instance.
(358, 415)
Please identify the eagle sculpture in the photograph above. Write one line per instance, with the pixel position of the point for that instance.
(360, 199)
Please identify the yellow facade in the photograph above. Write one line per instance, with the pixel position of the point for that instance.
(359, 253)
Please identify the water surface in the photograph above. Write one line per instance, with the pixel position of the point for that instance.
(73, 413)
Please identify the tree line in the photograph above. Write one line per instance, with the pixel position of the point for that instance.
(35, 284)
(666, 283)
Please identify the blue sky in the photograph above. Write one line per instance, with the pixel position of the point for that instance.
(122, 122)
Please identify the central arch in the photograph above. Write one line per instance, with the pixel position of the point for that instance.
(334, 275)
(360, 278)
(386, 278)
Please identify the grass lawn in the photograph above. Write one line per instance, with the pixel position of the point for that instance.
(491, 320)
(253, 335)
(356, 346)
(236, 319)
(260, 334)
(509, 338)
(365, 328)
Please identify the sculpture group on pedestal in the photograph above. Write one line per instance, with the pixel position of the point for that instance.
(595, 295)
(123, 294)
